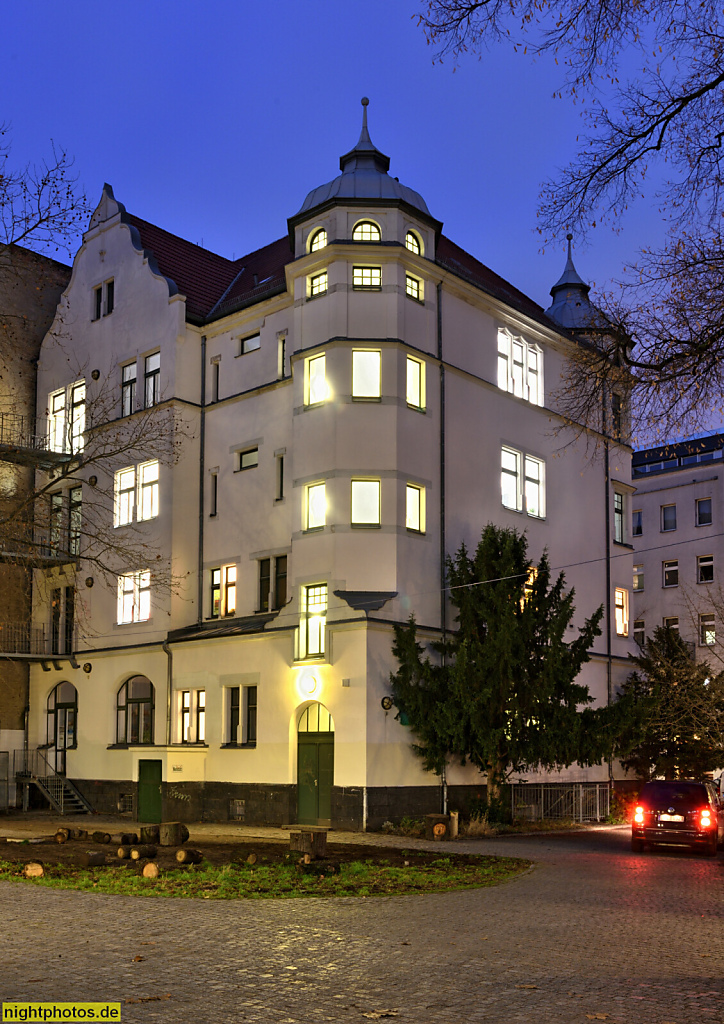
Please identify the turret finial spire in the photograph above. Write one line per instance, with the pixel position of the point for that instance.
(569, 236)
(365, 103)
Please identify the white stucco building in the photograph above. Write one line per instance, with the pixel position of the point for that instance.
(356, 399)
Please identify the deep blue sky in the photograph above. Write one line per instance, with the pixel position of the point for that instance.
(214, 119)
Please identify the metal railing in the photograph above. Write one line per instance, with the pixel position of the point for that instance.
(33, 765)
(4, 780)
(18, 431)
(30, 543)
(31, 762)
(577, 801)
(24, 638)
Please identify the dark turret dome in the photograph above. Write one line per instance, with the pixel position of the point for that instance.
(571, 307)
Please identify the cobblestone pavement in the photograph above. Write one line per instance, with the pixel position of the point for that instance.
(593, 932)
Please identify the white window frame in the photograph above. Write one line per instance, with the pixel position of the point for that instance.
(366, 363)
(707, 629)
(316, 388)
(414, 288)
(671, 622)
(670, 565)
(413, 242)
(699, 501)
(668, 529)
(621, 607)
(619, 517)
(415, 388)
(639, 630)
(638, 579)
(124, 495)
(366, 227)
(315, 518)
(704, 562)
(415, 508)
(318, 284)
(134, 597)
(312, 638)
(318, 239)
(148, 490)
(364, 492)
(525, 483)
(520, 367)
(66, 418)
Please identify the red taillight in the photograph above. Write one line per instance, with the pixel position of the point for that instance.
(639, 815)
(705, 818)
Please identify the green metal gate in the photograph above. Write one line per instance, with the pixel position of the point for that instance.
(149, 791)
(315, 766)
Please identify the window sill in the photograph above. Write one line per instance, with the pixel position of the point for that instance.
(238, 746)
(183, 746)
(420, 302)
(366, 287)
(623, 544)
(366, 398)
(366, 526)
(417, 533)
(313, 529)
(320, 295)
(705, 582)
(130, 746)
(416, 408)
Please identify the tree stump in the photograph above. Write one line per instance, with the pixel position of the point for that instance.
(101, 837)
(189, 856)
(142, 852)
(311, 841)
(92, 858)
(172, 833)
(149, 834)
(124, 851)
(128, 839)
(151, 870)
(34, 869)
(437, 827)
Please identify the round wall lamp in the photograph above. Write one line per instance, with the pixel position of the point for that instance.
(95, 374)
(386, 703)
(89, 581)
(92, 480)
(87, 667)
(307, 683)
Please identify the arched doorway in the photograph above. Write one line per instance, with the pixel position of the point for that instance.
(315, 766)
(61, 724)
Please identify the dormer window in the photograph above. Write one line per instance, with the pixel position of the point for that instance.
(318, 240)
(366, 231)
(412, 242)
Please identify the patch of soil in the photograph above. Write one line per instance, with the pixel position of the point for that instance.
(267, 852)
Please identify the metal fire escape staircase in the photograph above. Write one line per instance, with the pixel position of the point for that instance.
(33, 767)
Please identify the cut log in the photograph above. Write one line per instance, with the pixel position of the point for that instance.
(129, 839)
(92, 858)
(62, 835)
(151, 870)
(101, 837)
(142, 852)
(124, 851)
(149, 834)
(171, 833)
(311, 841)
(252, 858)
(78, 833)
(34, 869)
(189, 856)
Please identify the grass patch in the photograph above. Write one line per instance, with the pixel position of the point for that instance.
(279, 881)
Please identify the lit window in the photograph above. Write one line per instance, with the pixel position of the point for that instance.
(128, 389)
(75, 504)
(367, 278)
(148, 490)
(152, 379)
(707, 630)
(314, 603)
(249, 458)
(638, 577)
(315, 383)
(668, 518)
(671, 573)
(672, 622)
(526, 490)
(134, 711)
(124, 493)
(705, 569)
(637, 523)
(415, 508)
(318, 284)
(366, 374)
(366, 231)
(412, 242)
(415, 383)
(316, 506)
(272, 583)
(200, 716)
(365, 503)
(250, 344)
(318, 240)
(639, 632)
(241, 705)
(66, 419)
(414, 288)
(103, 299)
(520, 368)
(134, 597)
(223, 591)
(621, 610)
(703, 512)
(56, 521)
(618, 518)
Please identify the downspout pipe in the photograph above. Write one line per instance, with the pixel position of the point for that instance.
(443, 592)
(607, 487)
(202, 468)
(169, 688)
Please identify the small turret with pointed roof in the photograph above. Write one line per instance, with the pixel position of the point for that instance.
(365, 153)
(571, 307)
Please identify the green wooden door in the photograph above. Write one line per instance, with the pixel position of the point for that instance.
(315, 776)
(149, 791)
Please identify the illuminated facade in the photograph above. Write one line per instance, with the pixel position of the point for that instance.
(359, 397)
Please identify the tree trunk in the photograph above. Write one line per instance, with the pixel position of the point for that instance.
(141, 852)
(310, 841)
(92, 858)
(189, 856)
(172, 833)
(496, 777)
(149, 833)
(33, 869)
(101, 837)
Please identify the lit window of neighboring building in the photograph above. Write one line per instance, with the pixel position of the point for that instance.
(707, 630)
(366, 231)
(523, 482)
(66, 419)
(367, 278)
(315, 516)
(638, 577)
(318, 284)
(365, 503)
(621, 611)
(412, 242)
(318, 240)
(366, 374)
(148, 490)
(415, 383)
(415, 508)
(152, 379)
(314, 619)
(223, 591)
(520, 368)
(414, 288)
(315, 380)
(134, 597)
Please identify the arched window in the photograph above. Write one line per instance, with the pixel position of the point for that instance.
(412, 242)
(318, 240)
(366, 231)
(315, 718)
(62, 714)
(134, 711)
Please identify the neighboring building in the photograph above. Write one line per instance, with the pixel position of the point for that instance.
(357, 398)
(30, 287)
(677, 520)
